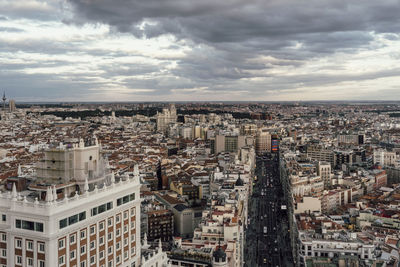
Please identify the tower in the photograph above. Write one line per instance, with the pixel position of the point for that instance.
(4, 101)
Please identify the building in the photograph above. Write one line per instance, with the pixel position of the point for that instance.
(165, 118)
(11, 105)
(160, 224)
(384, 158)
(324, 171)
(319, 153)
(351, 139)
(263, 142)
(225, 143)
(59, 222)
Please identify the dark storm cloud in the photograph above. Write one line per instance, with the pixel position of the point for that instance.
(237, 21)
(293, 32)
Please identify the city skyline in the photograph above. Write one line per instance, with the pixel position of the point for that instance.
(61, 51)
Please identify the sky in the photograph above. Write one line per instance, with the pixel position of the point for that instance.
(208, 50)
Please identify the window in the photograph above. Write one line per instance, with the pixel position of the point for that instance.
(92, 245)
(83, 263)
(125, 215)
(101, 226)
(92, 260)
(125, 228)
(61, 244)
(132, 250)
(101, 255)
(118, 259)
(133, 212)
(118, 246)
(41, 263)
(110, 250)
(3, 253)
(110, 236)
(3, 217)
(28, 225)
(63, 223)
(109, 222)
(29, 245)
(83, 234)
(3, 237)
(132, 225)
(101, 208)
(61, 260)
(118, 232)
(41, 247)
(83, 249)
(19, 260)
(72, 255)
(73, 219)
(125, 199)
(110, 263)
(82, 216)
(117, 218)
(72, 239)
(125, 255)
(132, 237)
(92, 230)
(101, 241)
(18, 243)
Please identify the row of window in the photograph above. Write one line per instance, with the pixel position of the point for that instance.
(95, 211)
(72, 219)
(125, 199)
(102, 208)
(29, 245)
(29, 261)
(28, 225)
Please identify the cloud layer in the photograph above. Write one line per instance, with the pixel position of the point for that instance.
(200, 50)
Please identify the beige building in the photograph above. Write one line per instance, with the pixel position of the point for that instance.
(324, 171)
(263, 142)
(165, 118)
(384, 158)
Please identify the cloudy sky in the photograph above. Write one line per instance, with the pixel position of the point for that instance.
(166, 50)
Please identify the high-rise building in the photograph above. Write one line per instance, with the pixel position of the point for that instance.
(324, 171)
(263, 142)
(11, 105)
(75, 214)
(225, 143)
(166, 117)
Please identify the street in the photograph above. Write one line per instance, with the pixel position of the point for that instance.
(267, 239)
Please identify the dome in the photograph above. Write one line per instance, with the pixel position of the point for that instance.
(219, 255)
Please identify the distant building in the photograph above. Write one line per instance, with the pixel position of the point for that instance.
(384, 158)
(351, 139)
(11, 105)
(263, 142)
(160, 224)
(165, 118)
(324, 171)
(225, 143)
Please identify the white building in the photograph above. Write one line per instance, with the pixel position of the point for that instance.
(97, 227)
(166, 117)
(384, 158)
